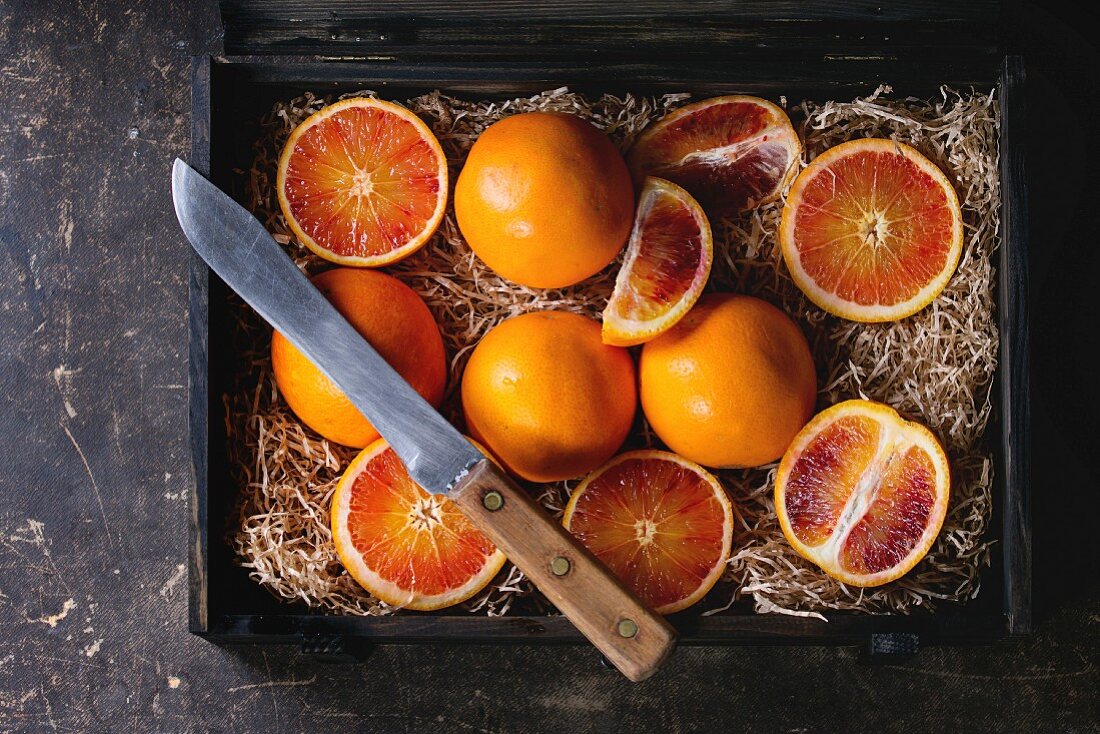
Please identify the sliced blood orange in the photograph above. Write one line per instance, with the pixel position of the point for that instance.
(732, 153)
(871, 230)
(862, 492)
(661, 523)
(667, 263)
(409, 548)
(363, 182)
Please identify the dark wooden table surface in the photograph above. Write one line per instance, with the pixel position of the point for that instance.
(93, 466)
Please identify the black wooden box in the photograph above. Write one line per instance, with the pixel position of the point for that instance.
(819, 50)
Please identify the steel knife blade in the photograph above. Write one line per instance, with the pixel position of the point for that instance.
(240, 250)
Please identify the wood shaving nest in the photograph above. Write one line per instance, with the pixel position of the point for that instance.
(936, 366)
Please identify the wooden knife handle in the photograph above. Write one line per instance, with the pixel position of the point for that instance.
(632, 637)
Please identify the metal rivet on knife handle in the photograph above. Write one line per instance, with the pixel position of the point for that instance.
(627, 628)
(560, 565)
(493, 501)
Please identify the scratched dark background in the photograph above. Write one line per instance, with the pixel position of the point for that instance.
(94, 472)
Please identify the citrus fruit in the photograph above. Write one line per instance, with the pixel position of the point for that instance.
(544, 199)
(661, 523)
(862, 492)
(871, 230)
(393, 319)
(667, 263)
(732, 153)
(363, 182)
(547, 396)
(404, 545)
(731, 384)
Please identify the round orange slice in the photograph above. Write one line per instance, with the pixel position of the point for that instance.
(732, 153)
(363, 182)
(409, 548)
(661, 523)
(667, 263)
(862, 492)
(871, 230)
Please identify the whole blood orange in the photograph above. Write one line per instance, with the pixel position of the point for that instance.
(732, 153)
(544, 199)
(393, 319)
(667, 264)
(363, 182)
(731, 384)
(547, 396)
(871, 230)
(862, 492)
(662, 524)
(409, 548)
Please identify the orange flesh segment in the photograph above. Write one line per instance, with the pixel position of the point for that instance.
(874, 228)
(897, 518)
(656, 524)
(416, 540)
(667, 262)
(363, 182)
(827, 472)
(728, 155)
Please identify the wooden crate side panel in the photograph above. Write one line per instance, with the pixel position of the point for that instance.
(745, 629)
(758, 72)
(198, 300)
(694, 11)
(1015, 352)
(526, 29)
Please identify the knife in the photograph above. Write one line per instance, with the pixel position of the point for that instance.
(239, 249)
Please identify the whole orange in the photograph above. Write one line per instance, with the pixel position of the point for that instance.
(731, 384)
(547, 397)
(393, 319)
(544, 199)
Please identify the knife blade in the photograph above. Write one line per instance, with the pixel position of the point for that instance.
(239, 249)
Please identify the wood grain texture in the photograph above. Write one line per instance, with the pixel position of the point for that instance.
(525, 29)
(527, 39)
(753, 73)
(592, 598)
(1015, 368)
(198, 365)
(295, 11)
(524, 40)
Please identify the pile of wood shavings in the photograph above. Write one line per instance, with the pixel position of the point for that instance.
(936, 366)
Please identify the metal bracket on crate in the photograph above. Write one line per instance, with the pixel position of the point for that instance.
(889, 647)
(328, 648)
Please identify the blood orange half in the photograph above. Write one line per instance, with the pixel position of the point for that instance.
(862, 492)
(732, 153)
(661, 523)
(363, 182)
(871, 230)
(409, 548)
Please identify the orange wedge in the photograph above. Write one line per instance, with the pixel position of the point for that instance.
(862, 493)
(363, 182)
(871, 230)
(667, 264)
(732, 153)
(409, 548)
(661, 523)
